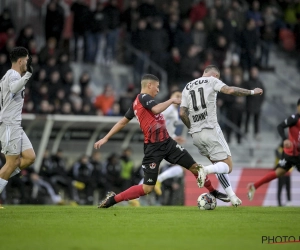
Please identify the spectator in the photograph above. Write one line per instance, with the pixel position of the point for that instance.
(126, 99)
(183, 38)
(159, 45)
(237, 111)
(199, 35)
(104, 102)
(127, 166)
(67, 82)
(81, 22)
(6, 22)
(255, 14)
(113, 172)
(254, 105)
(131, 16)
(248, 43)
(54, 22)
(25, 36)
(189, 65)
(82, 171)
(113, 23)
(267, 38)
(173, 66)
(172, 28)
(99, 24)
(148, 10)
(54, 84)
(198, 11)
(49, 50)
(4, 65)
(99, 173)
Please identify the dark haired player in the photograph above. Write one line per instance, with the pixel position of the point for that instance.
(158, 145)
(16, 146)
(198, 113)
(291, 152)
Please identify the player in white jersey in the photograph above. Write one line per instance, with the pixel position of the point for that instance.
(172, 118)
(15, 144)
(198, 112)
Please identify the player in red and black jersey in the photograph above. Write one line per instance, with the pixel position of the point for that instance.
(291, 151)
(158, 145)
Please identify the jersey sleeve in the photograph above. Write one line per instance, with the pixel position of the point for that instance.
(130, 113)
(184, 99)
(217, 84)
(147, 101)
(16, 83)
(289, 122)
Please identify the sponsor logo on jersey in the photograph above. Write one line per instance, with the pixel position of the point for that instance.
(196, 82)
(152, 165)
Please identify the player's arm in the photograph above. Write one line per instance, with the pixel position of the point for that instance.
(17, 84)
(229, 90)
(116, 128)
(149, 103)
(289, 122)
(184, 111)
(160, 107)
(184, 116)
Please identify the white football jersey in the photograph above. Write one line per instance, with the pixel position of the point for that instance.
(199, 96)
(12, 97)
(172, 118)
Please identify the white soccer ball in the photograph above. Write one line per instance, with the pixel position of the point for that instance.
(206, 201)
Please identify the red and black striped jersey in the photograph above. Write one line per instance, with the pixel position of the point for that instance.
(293, 123)
(153, 126)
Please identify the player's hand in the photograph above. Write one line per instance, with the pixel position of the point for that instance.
(28, 65)
(176, 101)
(258, 91)
(99, 143)
(179, 139)
(287, 143)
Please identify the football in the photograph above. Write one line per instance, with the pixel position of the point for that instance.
(206, 202)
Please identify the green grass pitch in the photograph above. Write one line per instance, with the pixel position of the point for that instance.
(122, 227)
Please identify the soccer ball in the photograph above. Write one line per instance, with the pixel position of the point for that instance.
(206, 202)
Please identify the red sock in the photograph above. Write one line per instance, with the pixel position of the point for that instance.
(130, 193)
(267, 178)
(208, 185)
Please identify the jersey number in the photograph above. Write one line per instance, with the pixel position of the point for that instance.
(194, 99)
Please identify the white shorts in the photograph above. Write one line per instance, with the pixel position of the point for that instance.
(13, 140)
(211, 143)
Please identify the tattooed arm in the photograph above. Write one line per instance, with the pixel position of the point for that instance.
(240, 91)
(184, 116)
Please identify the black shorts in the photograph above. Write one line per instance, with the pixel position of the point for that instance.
(168, 150)
(287, 161)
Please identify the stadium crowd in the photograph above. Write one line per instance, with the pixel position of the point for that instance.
(234, 35)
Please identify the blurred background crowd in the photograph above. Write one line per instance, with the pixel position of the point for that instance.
(181, 38)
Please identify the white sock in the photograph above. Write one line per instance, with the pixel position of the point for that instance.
(3, 183)
(217, 168)
(174, 171)
(225, 183)
(16, 171)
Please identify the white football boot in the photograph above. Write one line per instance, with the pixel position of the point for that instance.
(201, 176)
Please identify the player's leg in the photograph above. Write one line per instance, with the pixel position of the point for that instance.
(211, 143)
(11, 162)
(27, 154)
(153, 157)
(280, 185)
(280, 171)
(171, 172)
